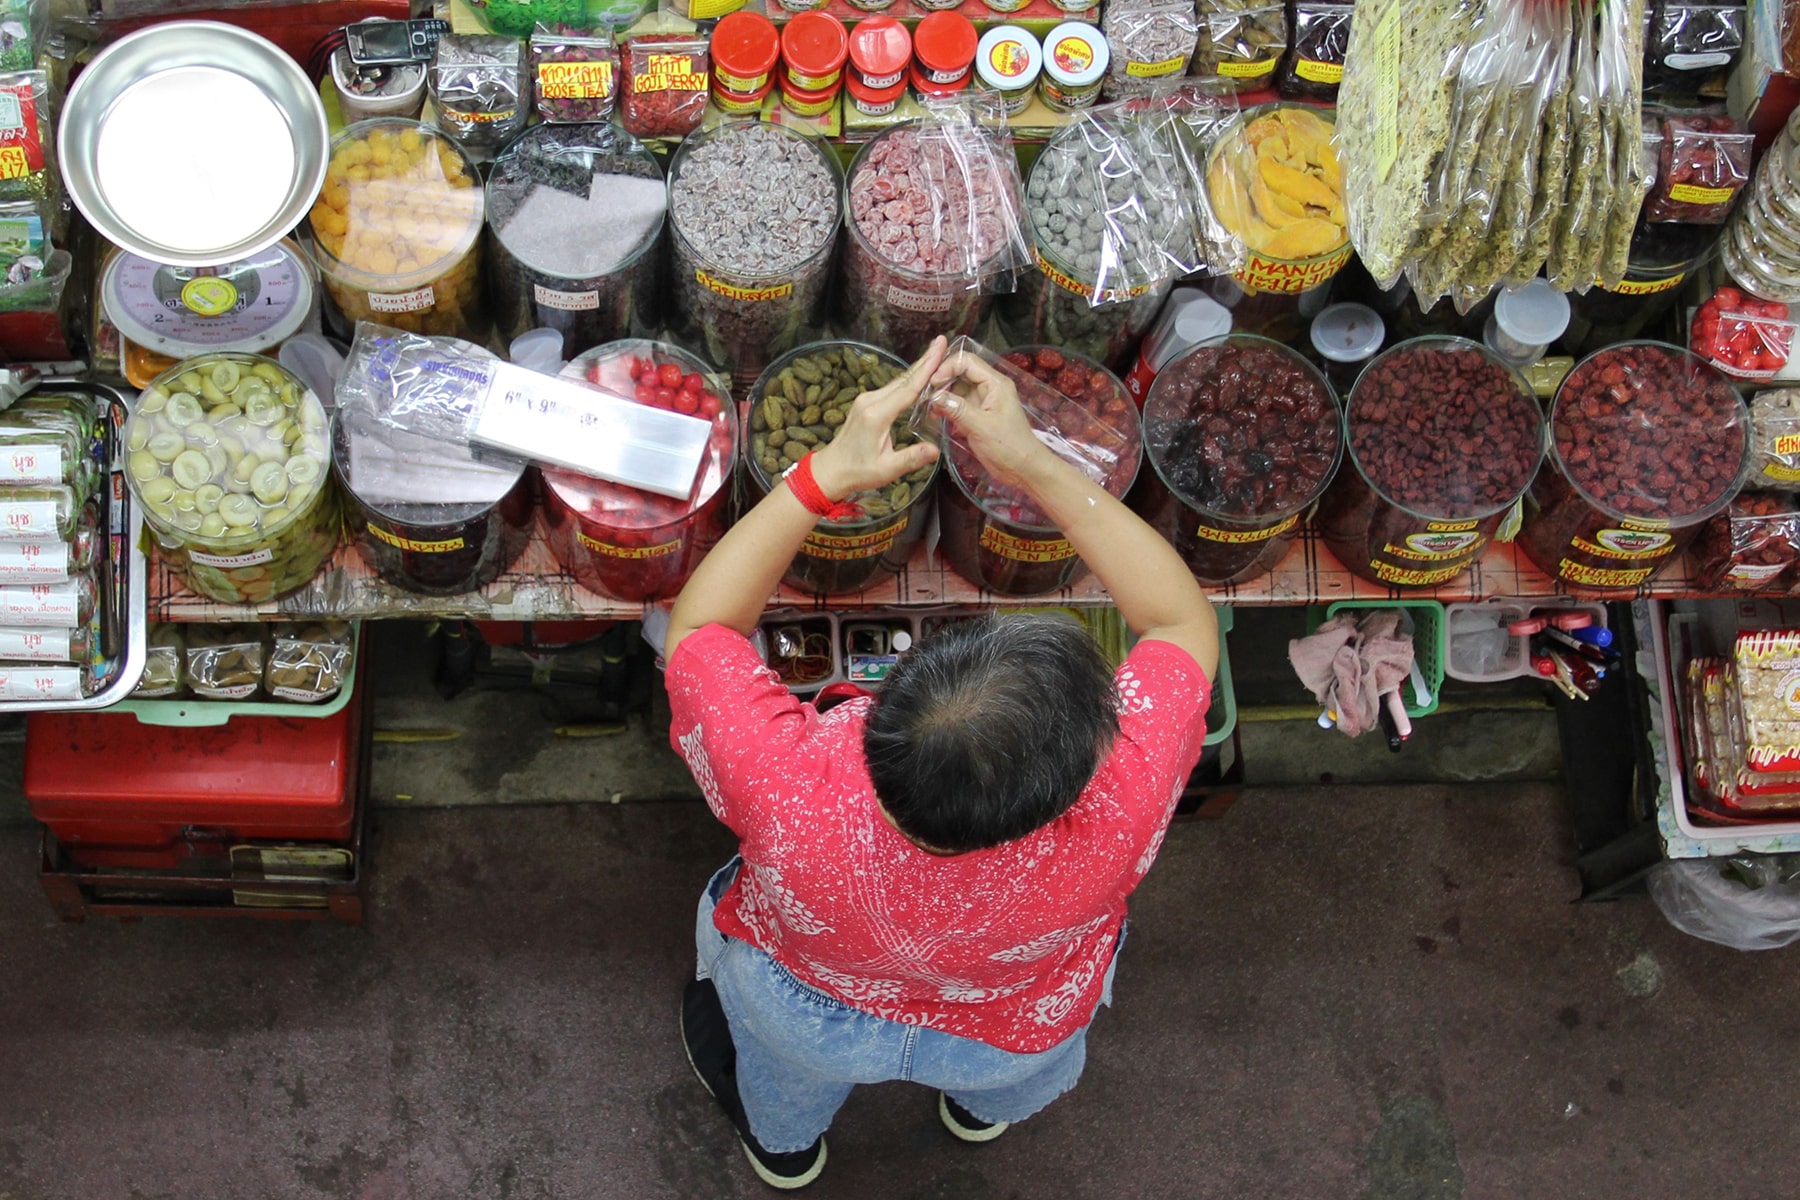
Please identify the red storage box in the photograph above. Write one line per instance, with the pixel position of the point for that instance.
(117, 792)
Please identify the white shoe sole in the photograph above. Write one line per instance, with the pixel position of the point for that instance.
(962, 1132)
(786, 1183)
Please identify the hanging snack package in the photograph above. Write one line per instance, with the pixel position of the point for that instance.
(225, 662)
(1766, 662)
(308, 663)
(1775, 441)
(667, 76)
(479, 89)
(1314, 65)
(457, 391)
(1191, 119)
(1749, 547)
(1150, 40)
(1244, 44)
(574, 78)
(23, 26)
(165, 659)
(24, 136)
(1692, 45)
(1705, 163)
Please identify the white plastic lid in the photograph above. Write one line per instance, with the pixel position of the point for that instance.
(1075, 54)
(1200, 319)
(1009, 58)
(1534, 315)
(540, 350)
(1348, 333)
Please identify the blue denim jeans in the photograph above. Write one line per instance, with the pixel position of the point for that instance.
(800, 1051)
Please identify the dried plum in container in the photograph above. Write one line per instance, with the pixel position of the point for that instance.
(1647, 441)
(575, 216)
(754, 210)
(1443, 439)
(1242, 434)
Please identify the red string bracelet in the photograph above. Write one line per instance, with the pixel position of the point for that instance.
(812, 497)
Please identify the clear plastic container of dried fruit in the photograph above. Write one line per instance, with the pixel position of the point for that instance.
(576, 214)
(1444, 438)
(1243, 435)
(755, 210)
(227, 455)
(799, 404)
(1646, 442)
(995, 536)
(634, 545)
(397, 229)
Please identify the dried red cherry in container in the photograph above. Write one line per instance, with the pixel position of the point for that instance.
(1443, 438)
(635, 545)
(1242, 435)
(1647, 441)
(995, 536)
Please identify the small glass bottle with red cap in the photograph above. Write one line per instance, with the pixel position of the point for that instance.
(944, 46)
(745, 49)
(880, 53)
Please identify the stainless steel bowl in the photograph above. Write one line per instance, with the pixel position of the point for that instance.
(193, 143)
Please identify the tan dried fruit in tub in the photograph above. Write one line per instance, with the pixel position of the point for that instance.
(1277, 185)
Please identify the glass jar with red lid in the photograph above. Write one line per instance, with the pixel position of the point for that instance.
(880, 50)
(875, 102)
(745, 49)
(813, 49)
(944, 46)
(629, 544)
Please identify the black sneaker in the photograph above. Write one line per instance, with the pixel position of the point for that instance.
(706, 1036)
(964, 1124)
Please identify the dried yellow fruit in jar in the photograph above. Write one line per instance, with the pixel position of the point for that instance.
(1276, 185)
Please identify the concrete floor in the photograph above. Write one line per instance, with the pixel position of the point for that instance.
(1368, 993)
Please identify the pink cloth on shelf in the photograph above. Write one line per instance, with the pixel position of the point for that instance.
(1349, 664)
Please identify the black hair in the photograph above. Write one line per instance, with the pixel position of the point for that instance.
(990, 729)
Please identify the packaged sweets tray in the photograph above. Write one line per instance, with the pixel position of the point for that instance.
(197, 711)
(124, 574)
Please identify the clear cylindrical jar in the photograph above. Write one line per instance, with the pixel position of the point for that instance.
(1662, 258)
(799, 404)
(755, 210)
(995, 536)
(227, 455)
(629, 544)
(397, 228)
(575, 214)
(428, 516)
(1243, 435)
(1646, 442)
(893, 297)
(1444, 438)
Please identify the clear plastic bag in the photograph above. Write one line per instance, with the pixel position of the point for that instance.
(1775, 440)
(1314, 65)
(574, 78)
(1148, 40)
(1692, 43)
(1243, 45)
(1705, 163)
(165, 658)
(25, 158)
(1192, 118)
(23, 26)
(1275, 185)
(1747, 902)
(308, 663)
(666, 82)
(1750, 547)
(479, 90)
(1744, 337)
(225, 662)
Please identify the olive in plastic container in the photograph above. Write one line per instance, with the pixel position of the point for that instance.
(428, 515)
(1444, 437)
(227, 455)
(932, 210)
(575, 216)
(397, 228)
(995, 536)
(798, 405)
(1243, 435)
(1646, 442)
(755, 210)
(634, 545)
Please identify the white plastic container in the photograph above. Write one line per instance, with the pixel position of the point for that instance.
(1478, 618)
(403, 95)
(1188, 318)
(1525, 321)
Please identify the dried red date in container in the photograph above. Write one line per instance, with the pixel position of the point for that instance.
(1647, 441)
(932, 208)
(1242, 435)
(1444, 438)
(427, 515)
(799, 404)
(634, 545)
(995, 536)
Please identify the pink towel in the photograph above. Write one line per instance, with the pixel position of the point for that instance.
(1348, 665)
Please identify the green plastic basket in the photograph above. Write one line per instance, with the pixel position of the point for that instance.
(1430, 642)
(196, 712)
(1221, 716)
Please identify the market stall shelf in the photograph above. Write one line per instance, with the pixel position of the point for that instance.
(537, 589)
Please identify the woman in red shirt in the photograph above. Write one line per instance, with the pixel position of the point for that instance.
(930, 884)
